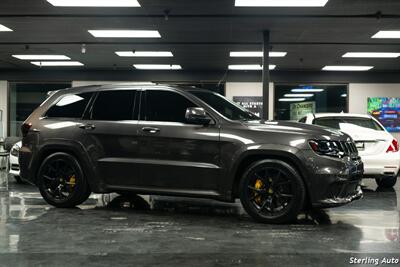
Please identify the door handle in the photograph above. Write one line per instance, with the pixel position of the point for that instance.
(87, 126)
(151, 130)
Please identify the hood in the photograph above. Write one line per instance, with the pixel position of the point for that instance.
(359, 133)
(296, 128)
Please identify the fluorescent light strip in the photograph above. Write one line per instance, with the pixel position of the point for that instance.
(291, 99)
(4, 28)
(125, 34)
(299, 95)
(343, 95)
(256, 54)
(41, 57)
(371, 55)
(95, 3)
(249, 67)
(307, 90)
(280, 3)
(387, 35)
(56, 63)
(347, 68)
(157, 67)
(144, 54)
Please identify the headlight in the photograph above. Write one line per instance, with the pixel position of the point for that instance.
(327, 148)
(15, 151)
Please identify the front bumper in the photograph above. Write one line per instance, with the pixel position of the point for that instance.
(14, 166)
(333, 181)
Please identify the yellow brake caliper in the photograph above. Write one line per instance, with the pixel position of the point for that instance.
(72, 182)
(257, 197)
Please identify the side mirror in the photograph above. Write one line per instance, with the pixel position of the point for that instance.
(197, 116)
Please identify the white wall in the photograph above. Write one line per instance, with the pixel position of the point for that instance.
(3, 107)
(250, 89)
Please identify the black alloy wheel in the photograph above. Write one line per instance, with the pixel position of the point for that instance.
(272, 191)
(61, 181)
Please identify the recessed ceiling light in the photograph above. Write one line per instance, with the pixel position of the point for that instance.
(281, 3)
(249, 67)
(307, 90)
(95, 3)
(299, 95)
(56, 63)
(371, 55)
(125, 34)
(387, 34)
(347, 68)
(256, 54)
(291, 99)
(41, 57)
(157, 67)
(4, 28)
(144, 54)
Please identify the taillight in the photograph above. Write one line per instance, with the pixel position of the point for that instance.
(25, 128)
(394, 146)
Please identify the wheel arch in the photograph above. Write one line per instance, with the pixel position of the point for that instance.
(74, 150)
(250, 157)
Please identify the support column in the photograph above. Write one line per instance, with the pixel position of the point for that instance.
(265, 75)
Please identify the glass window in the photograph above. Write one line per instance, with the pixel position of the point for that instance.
(335, 122)
(292, 102)
(24, 99)
(70, 106)
(224, 107)
(114, 105)
(166, 106)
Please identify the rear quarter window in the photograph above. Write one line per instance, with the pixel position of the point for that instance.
(70, 106)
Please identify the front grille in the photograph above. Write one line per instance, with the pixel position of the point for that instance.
(15, 167)
(348, 148)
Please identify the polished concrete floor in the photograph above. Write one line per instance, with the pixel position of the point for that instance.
(161, 231)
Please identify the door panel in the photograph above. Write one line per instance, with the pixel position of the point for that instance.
(110, 137)
(176, 155)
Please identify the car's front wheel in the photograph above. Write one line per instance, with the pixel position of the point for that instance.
(386, 182)
(61, 181)
(272, 191)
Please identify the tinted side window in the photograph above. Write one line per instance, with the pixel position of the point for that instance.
(70, 106)
(114, 105)
(166, 106)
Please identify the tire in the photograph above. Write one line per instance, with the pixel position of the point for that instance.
(386, 182)
(18, 180)
(283, 179)
(53, 190)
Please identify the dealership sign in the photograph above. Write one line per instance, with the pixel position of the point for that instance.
(251, 103)
(300, 110)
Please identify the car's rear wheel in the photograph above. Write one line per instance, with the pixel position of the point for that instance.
(271, 191)
(386, 182)
(61, 181)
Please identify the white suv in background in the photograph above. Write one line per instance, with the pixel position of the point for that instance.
(378, 149)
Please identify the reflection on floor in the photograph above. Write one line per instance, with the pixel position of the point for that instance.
(150, 230)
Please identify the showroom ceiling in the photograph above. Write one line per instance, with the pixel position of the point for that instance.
(200, 34)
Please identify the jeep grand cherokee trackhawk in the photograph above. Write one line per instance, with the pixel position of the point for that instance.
(184, 142)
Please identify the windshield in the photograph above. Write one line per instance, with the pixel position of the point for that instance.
(224, 107)
(334, 122)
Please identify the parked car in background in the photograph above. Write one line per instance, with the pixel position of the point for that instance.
(14, 161)
(166, 140)
(378, 149)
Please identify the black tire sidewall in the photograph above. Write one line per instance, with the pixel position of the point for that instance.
(295, 206)
(386, 182)
(81, 191)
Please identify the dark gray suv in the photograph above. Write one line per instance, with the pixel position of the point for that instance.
(184, 142)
